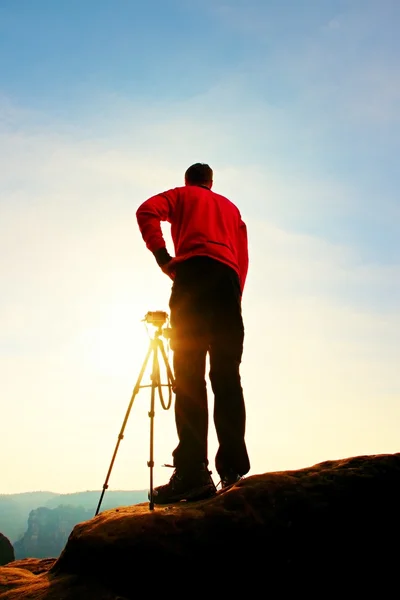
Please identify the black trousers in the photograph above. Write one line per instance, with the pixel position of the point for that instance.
(206, 317)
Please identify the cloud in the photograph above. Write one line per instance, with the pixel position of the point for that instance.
(322, 325)
(321, 351)
(332, 64)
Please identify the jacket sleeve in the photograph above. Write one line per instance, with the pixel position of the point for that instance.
(243, 254)
(150, 214)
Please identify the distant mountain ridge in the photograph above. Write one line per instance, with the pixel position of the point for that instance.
(16, 508)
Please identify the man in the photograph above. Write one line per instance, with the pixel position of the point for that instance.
(209, 272)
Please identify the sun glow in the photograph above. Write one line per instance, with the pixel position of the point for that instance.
(117, 346)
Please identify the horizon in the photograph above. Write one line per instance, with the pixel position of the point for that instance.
(104, 104)
(71, 493)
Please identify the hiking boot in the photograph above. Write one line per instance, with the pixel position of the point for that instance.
(197, 485)
(229, 479)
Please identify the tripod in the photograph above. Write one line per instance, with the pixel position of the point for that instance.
(157, 318)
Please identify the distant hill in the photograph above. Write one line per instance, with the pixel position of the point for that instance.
(90, 499)
(15, 509)
(48, 531)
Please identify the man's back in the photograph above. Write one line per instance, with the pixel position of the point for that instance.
(201, 218)
(203, 223)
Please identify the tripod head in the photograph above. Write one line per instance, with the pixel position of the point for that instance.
(158, 319)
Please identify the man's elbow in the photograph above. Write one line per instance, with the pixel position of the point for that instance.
(141, 209)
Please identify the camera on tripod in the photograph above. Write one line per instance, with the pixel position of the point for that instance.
(158, 318)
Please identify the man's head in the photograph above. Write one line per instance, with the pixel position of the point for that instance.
(199, 174)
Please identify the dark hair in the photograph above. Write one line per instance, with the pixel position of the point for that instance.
(199, 174)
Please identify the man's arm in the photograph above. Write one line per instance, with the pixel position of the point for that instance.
(243, 254)
(149, 216)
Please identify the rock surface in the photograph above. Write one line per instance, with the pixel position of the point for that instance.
(336, 522)
(6, 550)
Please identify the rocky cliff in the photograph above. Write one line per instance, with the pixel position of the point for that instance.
(48, 530)
(6, 550)
(331, 526)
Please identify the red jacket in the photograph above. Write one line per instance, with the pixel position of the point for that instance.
(203, 223)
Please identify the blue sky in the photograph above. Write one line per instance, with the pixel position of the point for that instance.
(319, 77)
(296, 107)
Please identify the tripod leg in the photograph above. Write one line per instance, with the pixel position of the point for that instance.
(155, 382)
(121, 433)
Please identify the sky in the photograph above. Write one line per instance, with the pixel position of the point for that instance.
(296, 107)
